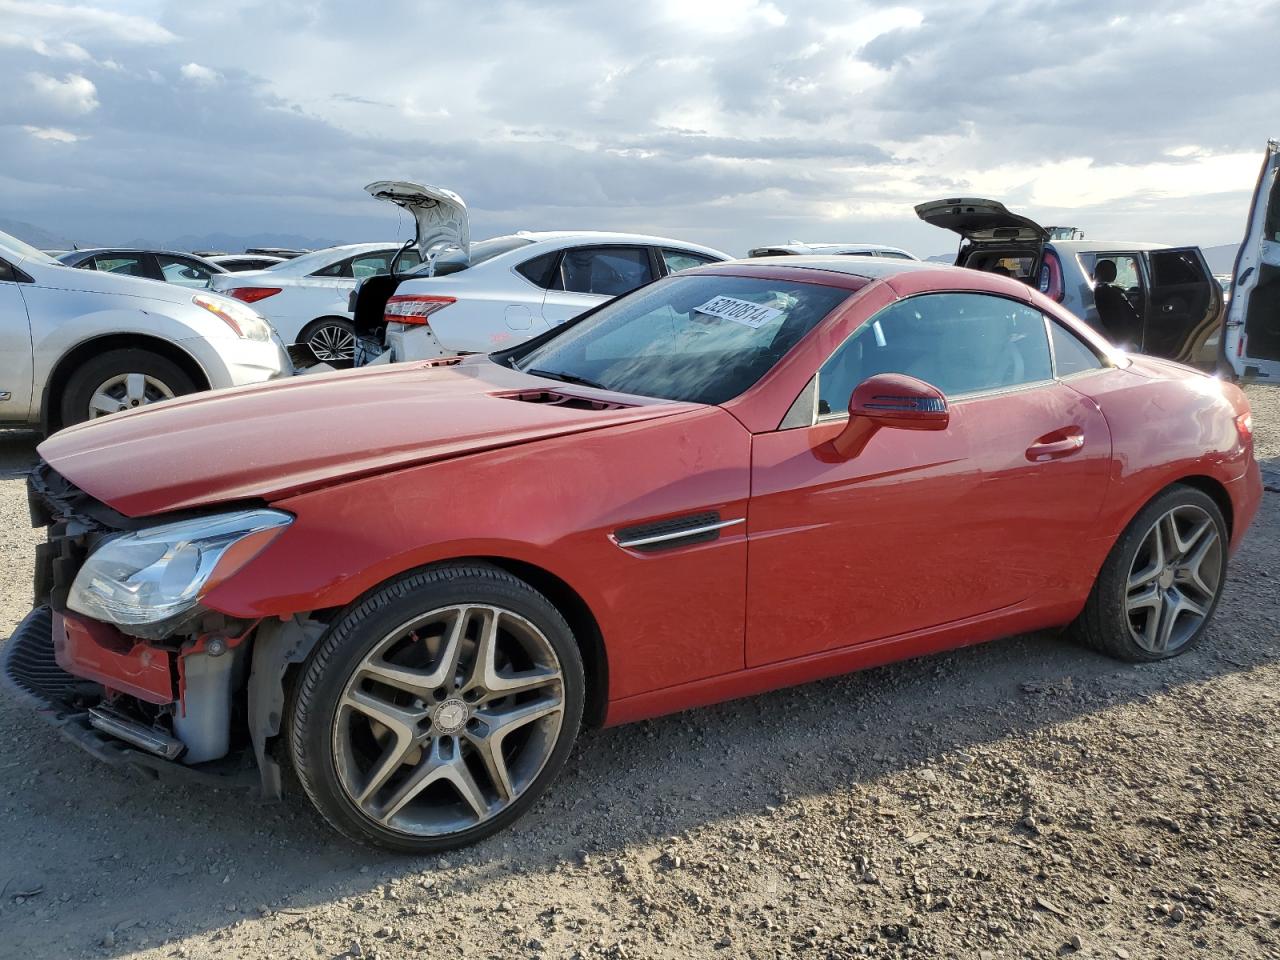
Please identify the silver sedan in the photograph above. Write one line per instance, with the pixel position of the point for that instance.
(79, 344)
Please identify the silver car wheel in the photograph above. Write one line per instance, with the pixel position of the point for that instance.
(126, 391)
(332, 342)
(448, 719)
(1174, 579)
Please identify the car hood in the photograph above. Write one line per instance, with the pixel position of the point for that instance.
(976, 219)
(62, 277)
(273, 440)
(443, 224)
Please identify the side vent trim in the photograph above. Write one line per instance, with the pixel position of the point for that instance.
(673, 532)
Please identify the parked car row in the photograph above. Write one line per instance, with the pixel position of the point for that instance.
(441, 295)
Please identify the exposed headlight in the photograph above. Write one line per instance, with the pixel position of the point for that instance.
(245, 322)
(149, 581)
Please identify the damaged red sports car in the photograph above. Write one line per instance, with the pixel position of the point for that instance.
(414, 584)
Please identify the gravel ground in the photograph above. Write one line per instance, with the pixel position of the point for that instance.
(1025, 798)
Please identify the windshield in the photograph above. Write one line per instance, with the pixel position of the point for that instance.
(24, 251)
(703, 338)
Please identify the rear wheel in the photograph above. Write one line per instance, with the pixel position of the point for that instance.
(1161, 582)
(435, 711)
(332, 340)
(121, 380)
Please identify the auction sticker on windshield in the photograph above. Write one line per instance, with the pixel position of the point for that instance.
(739, 311)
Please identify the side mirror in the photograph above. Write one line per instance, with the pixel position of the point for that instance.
(892, 401)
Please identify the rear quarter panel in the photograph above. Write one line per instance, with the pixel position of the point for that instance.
(666, 617)
(1169, 423)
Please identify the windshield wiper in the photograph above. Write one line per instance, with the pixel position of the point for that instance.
(568, 378)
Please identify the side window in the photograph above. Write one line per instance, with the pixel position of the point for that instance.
(606, 271)
(893, 255)
(340, 269)
(133, 265)
(7, 274)
(185, 273)
(370, 265)
(961, 343)
(1128, 276)
(540, 271)
(675, 260)
(408, 260)
(1070, 354)
(1172, 267)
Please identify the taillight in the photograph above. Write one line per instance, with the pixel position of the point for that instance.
(253, 294)
(1051, 277)
(1244, 427)
(414, 308)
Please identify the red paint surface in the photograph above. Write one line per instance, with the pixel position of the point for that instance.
(97, 651)
(924, 541)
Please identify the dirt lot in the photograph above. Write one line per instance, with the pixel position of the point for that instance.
(1021, 799)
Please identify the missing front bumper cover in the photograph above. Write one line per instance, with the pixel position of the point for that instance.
(32, 675)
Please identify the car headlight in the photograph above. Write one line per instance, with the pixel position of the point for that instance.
(245, 322)
(149, 581)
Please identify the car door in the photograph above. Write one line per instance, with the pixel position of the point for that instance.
(15, 348)
(922, 529)
(1251, 335)
(1120, 317)
(586, 276)
(327, 291)
(1184, 305)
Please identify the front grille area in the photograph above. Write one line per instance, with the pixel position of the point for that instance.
(76, 522)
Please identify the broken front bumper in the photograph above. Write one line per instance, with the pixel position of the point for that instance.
(29, 668)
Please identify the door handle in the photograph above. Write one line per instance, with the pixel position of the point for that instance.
(1056, 445)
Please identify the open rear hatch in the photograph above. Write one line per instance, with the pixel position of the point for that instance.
(442, 237)
(1251, 337)
(993, 238)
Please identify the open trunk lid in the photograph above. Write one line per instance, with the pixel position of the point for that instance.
(979, 220)
(443, 225)
(1251, 335)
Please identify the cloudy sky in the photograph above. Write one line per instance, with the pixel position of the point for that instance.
(731, 122)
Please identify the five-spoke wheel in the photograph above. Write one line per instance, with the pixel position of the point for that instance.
(1161, 582)
(433, 712)
(1174, 579)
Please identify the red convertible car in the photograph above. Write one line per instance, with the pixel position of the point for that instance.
(414, 584)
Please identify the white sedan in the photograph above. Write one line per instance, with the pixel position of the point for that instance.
(480, 297)
(306, 298)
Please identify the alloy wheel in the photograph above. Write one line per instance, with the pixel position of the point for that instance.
(332, 343)
(1174, 579)
(448, 719)
(125, 392)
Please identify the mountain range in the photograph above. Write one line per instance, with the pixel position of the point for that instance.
(231, 243)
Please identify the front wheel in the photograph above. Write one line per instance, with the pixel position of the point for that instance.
(120, 380)
(1161, 583)
(435, 710)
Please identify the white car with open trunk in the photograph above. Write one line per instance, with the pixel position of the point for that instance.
(478, 297)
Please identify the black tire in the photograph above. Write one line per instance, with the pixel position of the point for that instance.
(89, 376)
(1104, 624)
(320, 334)
(315, 700)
